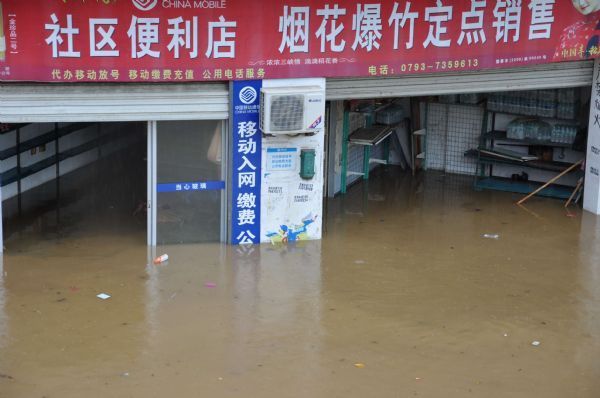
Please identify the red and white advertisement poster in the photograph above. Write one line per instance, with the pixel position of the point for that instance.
(202, 40)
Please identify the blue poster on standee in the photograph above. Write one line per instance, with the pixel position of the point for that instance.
(246, 163)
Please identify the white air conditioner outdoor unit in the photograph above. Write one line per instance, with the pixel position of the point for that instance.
(292, 110)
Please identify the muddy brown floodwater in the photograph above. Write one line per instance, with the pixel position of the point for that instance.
(402, 298)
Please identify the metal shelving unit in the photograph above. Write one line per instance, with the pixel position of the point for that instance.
(485, 164)
(367, 137)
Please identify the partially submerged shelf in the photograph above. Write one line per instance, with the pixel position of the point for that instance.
(535, 164)
(371, 136)
(523, 187)
(570, 121)
(499, 135)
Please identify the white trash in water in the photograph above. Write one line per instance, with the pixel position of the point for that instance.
(491, 236)
(103, 296)
(536, 343)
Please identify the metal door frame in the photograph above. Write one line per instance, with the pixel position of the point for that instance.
(151, 186)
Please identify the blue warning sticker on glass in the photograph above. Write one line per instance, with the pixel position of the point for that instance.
(191, 186)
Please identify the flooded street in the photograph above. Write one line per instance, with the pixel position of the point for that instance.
(404, 297)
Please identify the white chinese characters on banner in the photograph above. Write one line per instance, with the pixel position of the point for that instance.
(143, 33)
(247, 129)
(246, 202)
(437, 16)
(246, 146)
(56, 37)
(224, 47)
(472, 24)
(145, 37)
(507, 16)
(103, 29)
(367, 25)
(246, 217)
(294, 26)
(542, 17)
(331, 35)
(186, 36)
(399, 19)
(182, 36)
(246, 238)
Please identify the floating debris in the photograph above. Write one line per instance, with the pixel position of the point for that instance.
(161, 259)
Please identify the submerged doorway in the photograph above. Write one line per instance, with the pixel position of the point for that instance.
(186, 182)
(72, 181)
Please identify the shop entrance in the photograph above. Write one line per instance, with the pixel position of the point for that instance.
(177, 144)
(187, 182)
(81, 181)
(521, 142)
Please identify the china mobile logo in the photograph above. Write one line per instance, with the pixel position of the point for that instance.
(248, 95)
(144, 5)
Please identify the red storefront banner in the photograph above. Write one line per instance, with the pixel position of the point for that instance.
(202, 40)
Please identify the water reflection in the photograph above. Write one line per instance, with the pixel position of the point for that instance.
(589, 273)
(403, 282)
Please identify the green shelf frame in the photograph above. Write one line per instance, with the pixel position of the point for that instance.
(366, 167)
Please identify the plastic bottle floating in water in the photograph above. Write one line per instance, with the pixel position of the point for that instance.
(161, 259)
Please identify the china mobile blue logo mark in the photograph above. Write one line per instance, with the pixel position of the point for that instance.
(248, 95)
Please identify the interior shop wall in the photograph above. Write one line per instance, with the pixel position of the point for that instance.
(451, 130)
(65, 143)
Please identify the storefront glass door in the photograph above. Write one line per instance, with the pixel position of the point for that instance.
(188, 198)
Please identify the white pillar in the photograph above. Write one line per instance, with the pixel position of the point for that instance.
(591, 199)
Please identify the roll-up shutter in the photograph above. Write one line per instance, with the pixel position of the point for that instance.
(557, 75)
(36, 103)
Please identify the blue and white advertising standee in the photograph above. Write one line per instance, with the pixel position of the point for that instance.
(291, 206)
(246, 162)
